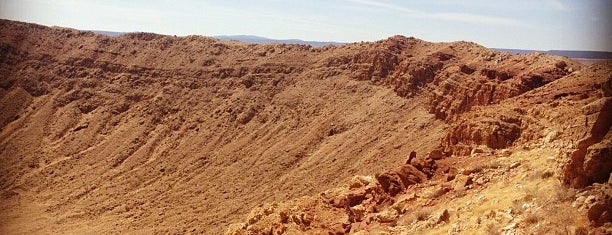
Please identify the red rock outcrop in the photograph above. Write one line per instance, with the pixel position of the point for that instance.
(592, 160)
(496, 131)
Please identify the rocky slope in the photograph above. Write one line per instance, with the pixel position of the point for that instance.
(148, 133)
(517, 189)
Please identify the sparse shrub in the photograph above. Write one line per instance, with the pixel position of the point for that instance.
(438, 192)
(547, 174)
(517, 207)
(531, 217)
(534, 174)
(423, 214)
(581, 231)
(493, 229)
(540, 174)
(460, 193)
(485, 166)
(563, 194)
(493, 165)
(531, 193)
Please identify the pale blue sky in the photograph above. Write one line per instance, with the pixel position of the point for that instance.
(525, 24)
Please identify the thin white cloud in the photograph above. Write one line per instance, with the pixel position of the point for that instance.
(307, 23)
(385, 6)
(447, 16)
(474, 18)
(557, 5)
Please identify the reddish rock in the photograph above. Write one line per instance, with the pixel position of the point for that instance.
(427, 165)
(396, 180)
(436, 154)
(466, 69)
(600, 213)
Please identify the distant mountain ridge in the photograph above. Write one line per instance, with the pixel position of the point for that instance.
(263, 40)
(597, 55)
(107, 33)
(601, 55)
(245, 38)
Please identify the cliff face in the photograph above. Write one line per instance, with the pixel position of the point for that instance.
(156, 133)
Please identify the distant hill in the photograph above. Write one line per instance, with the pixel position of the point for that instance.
(600, 55)
(263, 40)
(107, 33)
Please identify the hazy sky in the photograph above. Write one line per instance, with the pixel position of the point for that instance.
(526, 24)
